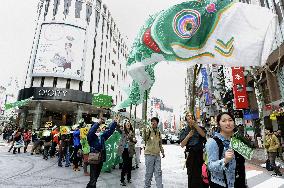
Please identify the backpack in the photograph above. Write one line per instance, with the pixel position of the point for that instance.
(205, 172)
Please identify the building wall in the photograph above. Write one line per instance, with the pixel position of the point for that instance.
(105, 50)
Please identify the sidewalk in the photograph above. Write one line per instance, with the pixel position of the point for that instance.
(259, 157)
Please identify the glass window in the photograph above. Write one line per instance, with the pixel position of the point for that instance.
(42, 81)
(54, 82)
(68, 83)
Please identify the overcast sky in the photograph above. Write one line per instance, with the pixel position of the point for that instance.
(18, 20)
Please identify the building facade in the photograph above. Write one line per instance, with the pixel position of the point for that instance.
(78, 51)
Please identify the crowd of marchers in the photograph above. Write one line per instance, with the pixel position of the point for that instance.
(210, 160)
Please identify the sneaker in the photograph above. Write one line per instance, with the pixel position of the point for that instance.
(129, 181)
(60, 165)
(137, 166)
(123, 183)
(32, 153)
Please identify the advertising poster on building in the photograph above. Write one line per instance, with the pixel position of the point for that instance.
(60, 51)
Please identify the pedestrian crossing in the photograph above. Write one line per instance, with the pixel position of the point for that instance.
(263, 179)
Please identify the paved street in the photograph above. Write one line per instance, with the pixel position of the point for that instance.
(26, 171)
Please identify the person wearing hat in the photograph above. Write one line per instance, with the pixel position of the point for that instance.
(96, 139)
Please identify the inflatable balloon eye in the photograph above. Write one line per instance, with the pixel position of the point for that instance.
(186, 23)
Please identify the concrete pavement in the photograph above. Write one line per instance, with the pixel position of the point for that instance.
(26, 171)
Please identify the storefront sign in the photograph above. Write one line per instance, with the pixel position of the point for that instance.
(239, 88)
(51, 92)
(4, 119)
(238, 114)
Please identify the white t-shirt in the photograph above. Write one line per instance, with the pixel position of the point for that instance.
(138, 138)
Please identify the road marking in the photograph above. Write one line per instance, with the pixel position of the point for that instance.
(276, 182)
(252, 173)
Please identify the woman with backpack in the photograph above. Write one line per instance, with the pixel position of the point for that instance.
(226, 167)
(193, 137)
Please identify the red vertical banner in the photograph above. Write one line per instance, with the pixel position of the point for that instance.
(174, 127)
(239, 88)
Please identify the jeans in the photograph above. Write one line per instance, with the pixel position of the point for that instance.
(95, 170)
(126, 166)
(53, 149)
(26, 145)
(153, 165)
(64, 152)
(272, 157)
(46, 149)
(137, 155)
(75, 156)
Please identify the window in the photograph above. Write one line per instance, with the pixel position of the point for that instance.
(42, 81)
(104, 9)
(265, 92)
(89, 9)
(278, 11)
(55, 82)
(97, 18)
(78, 8)
(68, 83)
(98, 3)
(32, 82)
(80, 85)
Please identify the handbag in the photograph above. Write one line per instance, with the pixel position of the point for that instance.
(95, 158)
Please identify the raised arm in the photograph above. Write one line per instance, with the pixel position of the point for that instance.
(93, 130)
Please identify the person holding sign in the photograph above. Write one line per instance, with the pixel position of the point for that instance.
(226, 167)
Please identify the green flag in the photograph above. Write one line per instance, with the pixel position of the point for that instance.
(17, 104)
(111, 151)
(101, 100)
